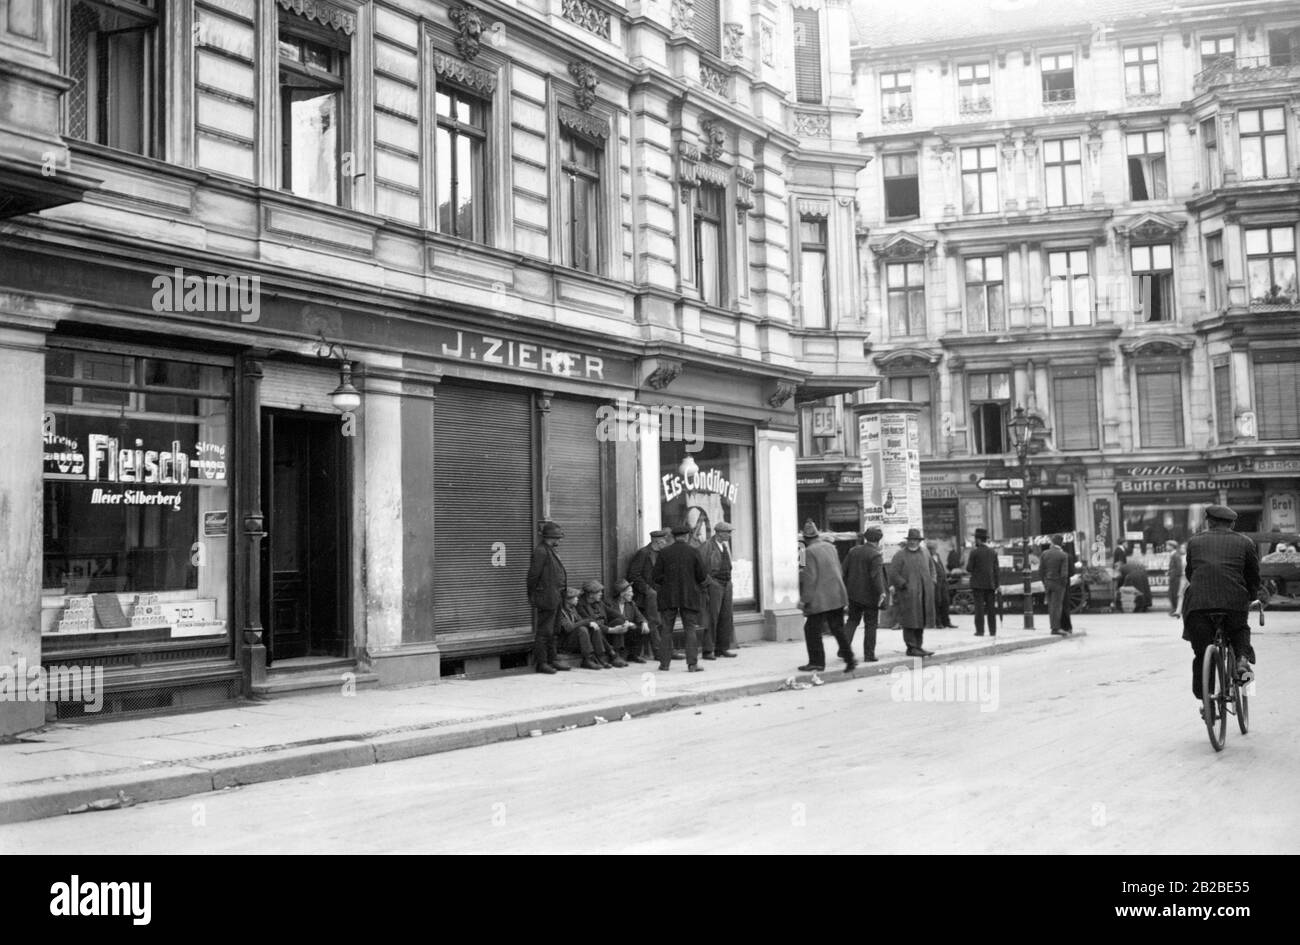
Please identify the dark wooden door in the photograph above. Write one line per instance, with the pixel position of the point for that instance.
(303, 565)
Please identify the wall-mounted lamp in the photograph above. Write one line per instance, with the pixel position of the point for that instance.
(688, 468)
(345, 397)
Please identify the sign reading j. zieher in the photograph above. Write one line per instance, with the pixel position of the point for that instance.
(520, 354)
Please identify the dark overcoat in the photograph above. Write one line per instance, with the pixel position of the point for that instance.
(678, 576)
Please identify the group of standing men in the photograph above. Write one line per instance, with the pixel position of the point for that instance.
(666, 578)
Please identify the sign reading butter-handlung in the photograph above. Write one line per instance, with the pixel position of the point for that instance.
(514, 352)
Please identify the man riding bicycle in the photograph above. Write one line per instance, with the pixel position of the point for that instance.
(1222, 574)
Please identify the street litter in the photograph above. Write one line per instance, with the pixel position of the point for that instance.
(600, 720)
(627, 717)
(106, 803)
(817, 680)
(792, 683)
(534, 732)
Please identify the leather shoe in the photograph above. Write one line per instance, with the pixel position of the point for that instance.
(546, 668)
(927, 653)
(695, 668)
(561, 667)
(812, 668)
(978, 634)
(663, 667)
(591, 664)
(850, 665)
(1058, 633)
(870, 659)
(619, 663)
(635, 659)
(728, 654)
(709, 656)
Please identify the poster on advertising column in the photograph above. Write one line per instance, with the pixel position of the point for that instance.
(889, 445)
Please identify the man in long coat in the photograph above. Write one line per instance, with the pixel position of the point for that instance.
(546, 581)
(982, 565)
(720, 629)
(640, 574)
(864, 580)
(1054, 572)
(679, 577)
(822, 598)
(912, 576)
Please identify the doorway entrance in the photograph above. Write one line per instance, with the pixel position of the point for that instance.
(304, 569)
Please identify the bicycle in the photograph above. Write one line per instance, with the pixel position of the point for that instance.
(1222, 691)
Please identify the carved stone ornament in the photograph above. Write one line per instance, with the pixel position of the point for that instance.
(688, 175)
(478, 80)
(666, 371)
(471, 24)
(324, 13)
(713, 80)
(767, 44)
(782, 392)
(715, 138)
(904, 246)
(587, 15)
(584, 123)
(812, 125)
(744, 193)
(813, 209)
(733, 42)
(683, 15)
(585, 75)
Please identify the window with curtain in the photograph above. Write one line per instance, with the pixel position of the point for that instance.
(313, 102)
(1147, 177)
(1058, 77)
(1141, 69)
(710, 246)
(1160, 405)
(813, 288)
(974, 89)
(1153, 282)
(917, 390)
(1223, 418)
(1271, 265)
(112, 57)
(1216, 50)
(986, 308)
(979, 179)
(1277, 394)
(1262, 135)
(905, 290)
(1063, 166)
(1074, 401)
(896, 96)
(459, 146)
(808, 56)
(902, 189)
(580, 200)
(1070, 284)
(990, 404)
(1210, 153)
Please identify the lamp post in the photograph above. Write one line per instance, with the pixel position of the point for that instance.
(1021, 429)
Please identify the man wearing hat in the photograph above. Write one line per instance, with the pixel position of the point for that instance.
(864, 582)
(822, 598)
(913, 577)
(1222, 573)
(602, 618)
(627, 621)
(640, 571)
(580, 633)
(982, 565)
(720, 630)
(546, 580)
(1054, 572)
(679, 577)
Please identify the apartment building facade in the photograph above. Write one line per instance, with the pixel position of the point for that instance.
(318, 310)
(1088, 211)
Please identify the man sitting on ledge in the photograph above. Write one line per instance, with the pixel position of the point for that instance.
(579, 634)
(599, 617)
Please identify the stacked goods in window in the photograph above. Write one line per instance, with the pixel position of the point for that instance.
(78, 615)
(147, 612)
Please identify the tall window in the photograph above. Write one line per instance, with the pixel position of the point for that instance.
(1058, 77)
(580, 199)
(706, 27)
(1223, 425)
(1277, 395)
(986, 308)
(808, 56)
(1160, 405)
(905, 287)
(1071, 287)
(917, 390)
(1074, 402)
(974, 89)
(1263, 143)
(1063, 163)
(458, 155)
(1153, 282)
(710, 266)
(812, 274)
(896, 96)
(1216, 50)
(313, 75)
(902, 190)
(979, 179)
(1141, 69)
(1218, 278)
(1270, 265)
(111, 55)
(1284, 47)
(990, 401)
(1210, 152)
(1147, 178)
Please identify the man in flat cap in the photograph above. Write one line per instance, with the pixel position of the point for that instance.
(601, 617)
(912, 575)
(864, 581)
(1222, 573)
(982, 566)
(679, 577)
(720, 630)
(546, 581)
(627, 623)
(822, 599)
(640, 572)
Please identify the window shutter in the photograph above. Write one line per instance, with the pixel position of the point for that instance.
(1223, 419)
(807, 56)
(707, 25)
(1160, 406)
(1075, 397)
(1277, 396)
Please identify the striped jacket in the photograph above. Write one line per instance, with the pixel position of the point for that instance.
(1222, 571)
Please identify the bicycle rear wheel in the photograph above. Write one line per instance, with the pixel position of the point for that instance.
(1240, 702)
(1214, 696)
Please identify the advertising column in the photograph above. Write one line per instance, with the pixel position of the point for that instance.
(889, 447)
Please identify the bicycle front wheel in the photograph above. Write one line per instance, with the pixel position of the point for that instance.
(1214, 696)
(1239, 699)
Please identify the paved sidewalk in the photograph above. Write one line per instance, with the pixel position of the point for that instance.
(64, 765)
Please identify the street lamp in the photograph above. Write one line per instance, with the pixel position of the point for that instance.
(1021, 432)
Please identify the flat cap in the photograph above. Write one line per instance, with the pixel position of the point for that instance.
(873, 534)
(723, 527)
(1221, 512)
(660, 533)
(681, 529)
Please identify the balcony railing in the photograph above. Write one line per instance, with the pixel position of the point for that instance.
(896, 114)
(1058, 100)
(1229, 71)
(980, 105)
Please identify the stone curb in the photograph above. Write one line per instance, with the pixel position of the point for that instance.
(187, 777)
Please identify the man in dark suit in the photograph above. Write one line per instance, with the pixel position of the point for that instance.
(679, 577)
(1054, 572)
(822, 598)
(864, 580)
(982, 566)
(546, 580)
(1222, 573)
(640, 574)
(720, 630)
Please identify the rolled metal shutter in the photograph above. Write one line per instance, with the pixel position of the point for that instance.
(808, 56)
(483, 494)
(575, 470)
(707, 25)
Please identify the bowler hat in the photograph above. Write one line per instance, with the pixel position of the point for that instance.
(723, 527)
(621, 585)
(810, 530)
(981, 534)
(913, 534)
(552, 530)
(873, 534)
(681, 529)
(1221, 512)
(592, 586)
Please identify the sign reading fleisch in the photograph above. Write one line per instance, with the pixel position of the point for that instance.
(513, 352)
(889, 444)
